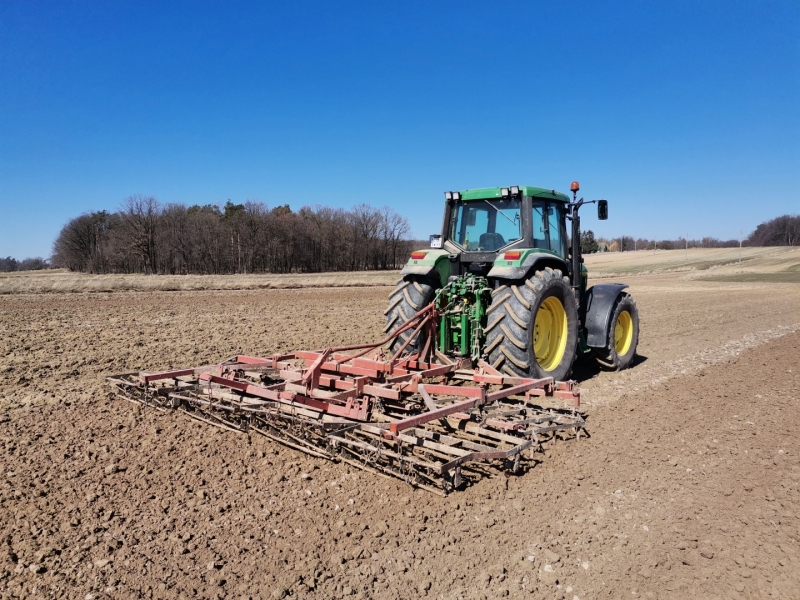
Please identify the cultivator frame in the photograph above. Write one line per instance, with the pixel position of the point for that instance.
(426, 418)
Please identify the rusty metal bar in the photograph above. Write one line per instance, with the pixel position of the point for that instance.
(420, 416)
(433, 415)
(148, 377)
(519, 388)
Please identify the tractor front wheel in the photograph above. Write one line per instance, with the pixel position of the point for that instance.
(532, 328)
(409, 297)
(622, 337)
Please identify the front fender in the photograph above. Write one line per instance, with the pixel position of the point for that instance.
(599, 301)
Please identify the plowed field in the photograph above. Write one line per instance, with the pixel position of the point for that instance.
(689, 486)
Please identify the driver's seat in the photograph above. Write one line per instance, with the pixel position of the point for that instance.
(491, 241)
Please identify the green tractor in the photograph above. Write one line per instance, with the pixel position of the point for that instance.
(511, 288)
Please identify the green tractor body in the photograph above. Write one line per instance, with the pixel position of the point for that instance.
(510, 286)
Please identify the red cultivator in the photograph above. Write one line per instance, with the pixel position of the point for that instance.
(430, 420)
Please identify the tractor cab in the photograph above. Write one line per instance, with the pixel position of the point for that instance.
(489, 230)
(490, 225)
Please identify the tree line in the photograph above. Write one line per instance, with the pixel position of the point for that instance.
(781, 231)
(145, 236)
(9, 264)
(628, 243)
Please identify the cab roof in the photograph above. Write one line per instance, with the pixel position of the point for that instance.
(525, 190)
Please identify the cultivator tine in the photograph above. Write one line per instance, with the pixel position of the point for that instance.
(421, 417)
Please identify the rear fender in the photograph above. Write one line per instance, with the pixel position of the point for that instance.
(599, 301)
(435, 265)
(532, 260)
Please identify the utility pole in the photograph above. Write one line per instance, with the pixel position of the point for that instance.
(687, 247)
(740, 245)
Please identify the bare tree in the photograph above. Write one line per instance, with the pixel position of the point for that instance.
(173, 240)
(365, 221)
(80, 244)
(393, 229)
(139, 223)
(252, 223)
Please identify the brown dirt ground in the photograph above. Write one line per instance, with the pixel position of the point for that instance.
(687, 487)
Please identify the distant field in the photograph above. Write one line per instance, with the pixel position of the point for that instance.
(776, 264)
(59, 281)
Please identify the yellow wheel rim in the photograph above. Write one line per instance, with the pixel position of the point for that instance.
(550, 333)
(623, 333)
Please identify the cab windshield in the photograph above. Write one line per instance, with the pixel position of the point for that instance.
(486, 225)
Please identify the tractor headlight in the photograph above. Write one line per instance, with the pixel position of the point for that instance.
(456, 195)
(514, 190)
(504, 192)
(448, 195)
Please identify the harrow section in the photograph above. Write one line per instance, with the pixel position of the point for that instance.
(425, 418)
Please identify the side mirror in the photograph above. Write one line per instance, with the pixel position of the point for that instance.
(602, 209)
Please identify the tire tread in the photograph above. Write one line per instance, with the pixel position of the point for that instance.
(406, 300)
(509, 347)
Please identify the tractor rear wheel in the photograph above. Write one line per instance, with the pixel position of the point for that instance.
(409, 297)
(622, 336)
(532, 327)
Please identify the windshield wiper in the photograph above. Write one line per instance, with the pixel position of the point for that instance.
(510, 220)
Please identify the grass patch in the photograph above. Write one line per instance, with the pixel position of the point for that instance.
(789, 276)
(708, 264)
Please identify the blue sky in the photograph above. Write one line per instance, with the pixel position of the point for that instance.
(684, 115)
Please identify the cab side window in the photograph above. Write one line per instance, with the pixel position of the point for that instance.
(554, 228)
(539, 231)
